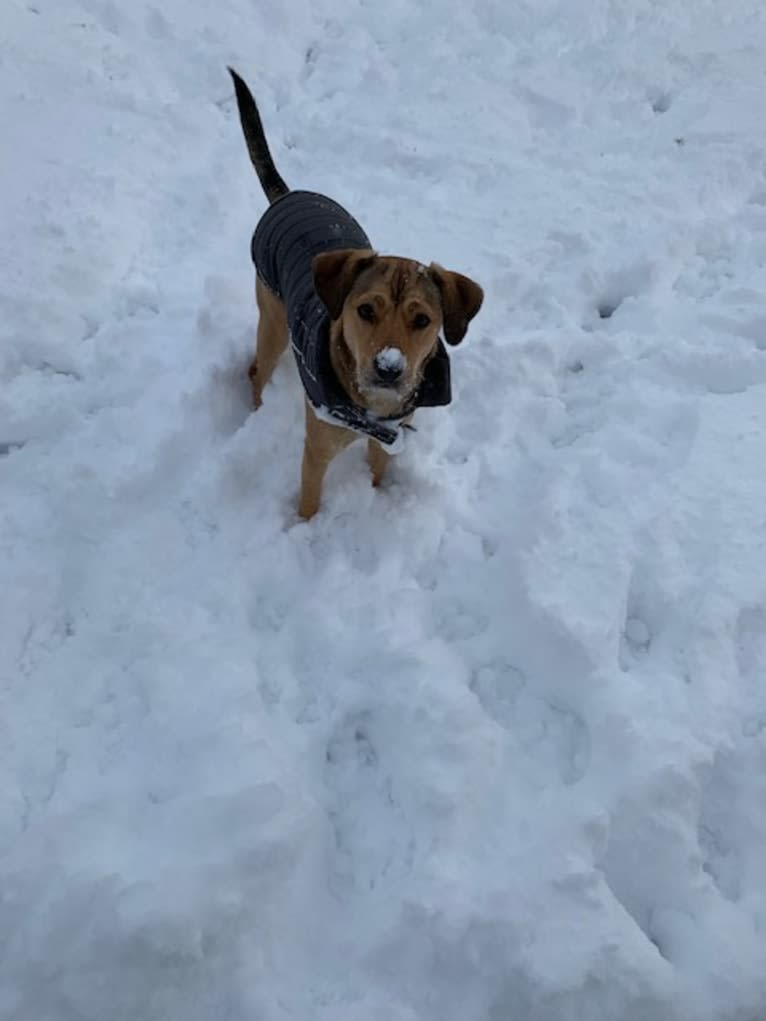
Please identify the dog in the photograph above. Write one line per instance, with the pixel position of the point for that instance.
(364, 327)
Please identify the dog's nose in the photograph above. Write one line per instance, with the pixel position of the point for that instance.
(387, 373)
(389, 365)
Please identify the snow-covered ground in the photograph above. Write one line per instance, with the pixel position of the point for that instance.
(488, 744)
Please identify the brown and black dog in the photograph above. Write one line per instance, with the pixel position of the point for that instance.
(364, 327)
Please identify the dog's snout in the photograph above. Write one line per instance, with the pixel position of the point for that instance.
(390, 364)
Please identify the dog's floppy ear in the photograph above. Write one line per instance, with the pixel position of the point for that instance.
(335, 273)
(461, 300)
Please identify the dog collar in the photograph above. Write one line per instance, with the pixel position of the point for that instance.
(387, 431)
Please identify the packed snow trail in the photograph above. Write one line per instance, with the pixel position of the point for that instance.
(486, 744)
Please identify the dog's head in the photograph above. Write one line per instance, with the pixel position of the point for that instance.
(391, 311)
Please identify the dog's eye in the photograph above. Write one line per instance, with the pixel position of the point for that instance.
(420, 321)
(366, 312)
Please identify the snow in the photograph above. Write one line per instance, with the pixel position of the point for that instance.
(391, 358)
(487, 743)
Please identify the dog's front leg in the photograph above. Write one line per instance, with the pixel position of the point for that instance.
(378, 459)
(323, 443)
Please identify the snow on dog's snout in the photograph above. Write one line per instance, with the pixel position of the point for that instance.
(391, 359)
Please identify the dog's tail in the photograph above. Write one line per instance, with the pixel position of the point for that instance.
(257, 146)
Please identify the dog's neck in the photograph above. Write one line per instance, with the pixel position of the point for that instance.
(343, 365)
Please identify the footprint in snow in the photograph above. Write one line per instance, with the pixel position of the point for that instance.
(618, 286)
(730, 836)
(555, 738)
(752, 328)
(371, 838)
(662, 102)
(636, 640)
